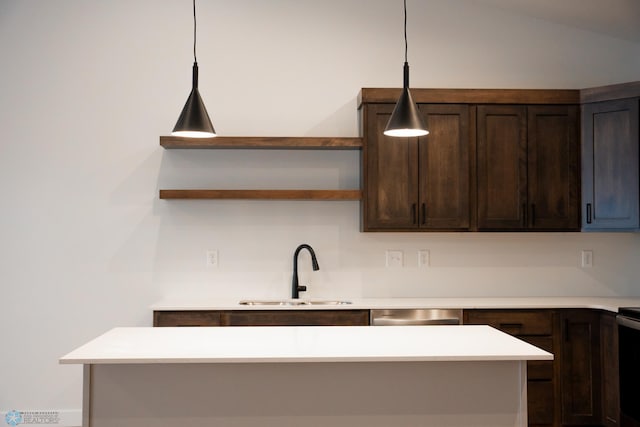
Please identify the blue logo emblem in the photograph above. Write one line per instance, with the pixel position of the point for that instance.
(13, 418)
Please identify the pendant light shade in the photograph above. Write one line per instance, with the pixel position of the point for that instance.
(405, 120)
(194, 121)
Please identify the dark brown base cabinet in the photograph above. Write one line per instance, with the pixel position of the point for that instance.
(580, 368)
(261, 318)
(537, 327)
(580, 387)
(610, 370)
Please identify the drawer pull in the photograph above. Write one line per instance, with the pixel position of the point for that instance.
(510, 325)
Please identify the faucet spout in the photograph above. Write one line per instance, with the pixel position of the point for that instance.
(296, 288)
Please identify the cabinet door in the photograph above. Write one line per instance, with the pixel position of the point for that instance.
(502, 167)
(553, 161)
(610, 370)
(610, 188)
(444, 167)
(580, 367)
(390, 175)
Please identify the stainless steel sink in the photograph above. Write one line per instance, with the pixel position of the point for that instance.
(326, 302)
(293, 302)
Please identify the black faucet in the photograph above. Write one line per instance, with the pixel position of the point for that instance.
(295, 287)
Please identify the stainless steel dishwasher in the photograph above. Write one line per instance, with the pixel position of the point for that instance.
(415, 317)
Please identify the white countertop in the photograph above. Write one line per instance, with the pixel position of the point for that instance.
(303, 344)
(601, 303)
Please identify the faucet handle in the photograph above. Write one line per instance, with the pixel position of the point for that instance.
(302, 288)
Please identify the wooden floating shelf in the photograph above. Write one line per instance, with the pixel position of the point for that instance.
(262, 194)
(259, 142)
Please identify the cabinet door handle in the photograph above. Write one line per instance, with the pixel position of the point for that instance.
(588, 213)
(533, 214)
(414, 214)
(424, 213)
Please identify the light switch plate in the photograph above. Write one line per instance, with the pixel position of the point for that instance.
(212, 258)
(587, 258)
(394, 258)
(424, 258)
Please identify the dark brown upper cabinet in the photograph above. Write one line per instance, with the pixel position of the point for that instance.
(417, 183)
(494, 160)
(528, 167)
(610, 187)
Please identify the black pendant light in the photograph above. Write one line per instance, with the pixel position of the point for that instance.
(194, 122)
(405, 120)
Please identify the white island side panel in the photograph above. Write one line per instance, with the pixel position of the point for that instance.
(372, 394)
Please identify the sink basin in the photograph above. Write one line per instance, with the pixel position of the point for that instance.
(293, 302)
(322, 302)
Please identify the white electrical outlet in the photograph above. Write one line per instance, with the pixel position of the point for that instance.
(424, 258)
(394, 258)
(212, 258)
(587, 258)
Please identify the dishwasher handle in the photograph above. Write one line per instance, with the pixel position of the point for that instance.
(391, 321)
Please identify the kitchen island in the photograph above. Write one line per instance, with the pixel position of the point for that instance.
(305, 376)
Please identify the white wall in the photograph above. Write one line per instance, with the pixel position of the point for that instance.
(87, 87)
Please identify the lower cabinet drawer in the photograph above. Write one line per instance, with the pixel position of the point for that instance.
(514, 322)
(297, 318)
(261, 318)
(541, 402)
(540, 370)
(187, 318)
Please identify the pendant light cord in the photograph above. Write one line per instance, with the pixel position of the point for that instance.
(194, 31)
(405, 84)
(406, 45)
